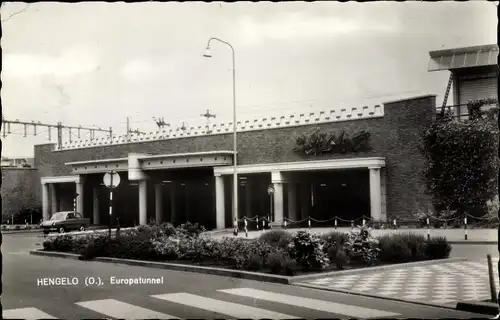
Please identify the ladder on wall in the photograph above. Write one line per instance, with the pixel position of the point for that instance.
(447, 93)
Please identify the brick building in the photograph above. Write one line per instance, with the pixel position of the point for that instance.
(186, 175)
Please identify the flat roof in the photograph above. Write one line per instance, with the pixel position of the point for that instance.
(465, 57)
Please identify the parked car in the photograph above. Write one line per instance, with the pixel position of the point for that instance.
(65, 221)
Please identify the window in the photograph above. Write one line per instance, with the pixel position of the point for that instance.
(71, 215)
(78, 216)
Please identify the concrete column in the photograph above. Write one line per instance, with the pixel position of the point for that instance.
(173, 203)
(305, 200)
(143, 202)
(278, 202)
(53, 198)
(292, 201)
(186, 202)
(95, 206)
(248, 198)
(384, 194)
(159, 203)
(375, 194)
(220, 202)
(45, 202)
(79, 198)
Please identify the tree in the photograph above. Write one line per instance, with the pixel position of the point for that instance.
(462, 171)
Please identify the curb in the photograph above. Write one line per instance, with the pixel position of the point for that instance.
(173, 266)
(428, 304)
(373, 269)
(488, 308)
(248, 275)
(473, 242)
(242, 274)
(54, 254)
(22, 231)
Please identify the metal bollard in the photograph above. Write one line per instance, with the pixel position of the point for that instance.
(335, 223)
(352, 223)
(257, 223)
(395, 225)
(428, 230)
(246, 229)
(465, 222)
(285, 224)
(309, 223)
(235, 225)
(493, 290)
(263, 224)
(363, 222)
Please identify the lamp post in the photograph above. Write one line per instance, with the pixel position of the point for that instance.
(208, 54)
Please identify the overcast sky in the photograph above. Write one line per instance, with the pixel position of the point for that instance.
(98, 63)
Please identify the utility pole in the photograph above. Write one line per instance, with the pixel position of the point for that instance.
(59, 126)
(128, 129)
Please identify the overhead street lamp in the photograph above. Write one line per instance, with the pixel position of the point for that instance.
(208, 54)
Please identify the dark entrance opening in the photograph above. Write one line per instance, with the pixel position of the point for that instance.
(344, 194)
(188, 195)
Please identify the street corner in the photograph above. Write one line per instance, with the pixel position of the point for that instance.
(439, 284)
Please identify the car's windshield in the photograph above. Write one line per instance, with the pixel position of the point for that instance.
(58, 216)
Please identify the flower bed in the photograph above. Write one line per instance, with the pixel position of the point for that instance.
(276, 251)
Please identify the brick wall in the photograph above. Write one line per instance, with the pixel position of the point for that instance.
(396, 137)
(19, 190)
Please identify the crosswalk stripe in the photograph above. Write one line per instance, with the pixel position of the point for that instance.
(26, 313)
(238, 311)
(121, 310)
(326, 306)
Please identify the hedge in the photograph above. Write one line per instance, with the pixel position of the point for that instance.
(276, 251)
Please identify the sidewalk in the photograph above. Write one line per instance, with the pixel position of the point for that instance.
(445, 283)
(453, 235)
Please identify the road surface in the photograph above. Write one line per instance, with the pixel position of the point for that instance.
(182, 295)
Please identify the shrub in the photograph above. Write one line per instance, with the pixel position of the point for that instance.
(197, 248)
(62, 243)
(254, 262)
(416, 244)
(307, 250)
(189, 229)
(437, 248)
(341, 259)
(394, 248)
(334, 238)
(276, 262)
(276, 238)
(289, 266)
(361, 245)
(166, 248)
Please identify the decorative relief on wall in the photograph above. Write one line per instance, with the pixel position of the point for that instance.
(318, 143)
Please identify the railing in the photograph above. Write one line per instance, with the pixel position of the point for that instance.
(460, 112)
(428, 222)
